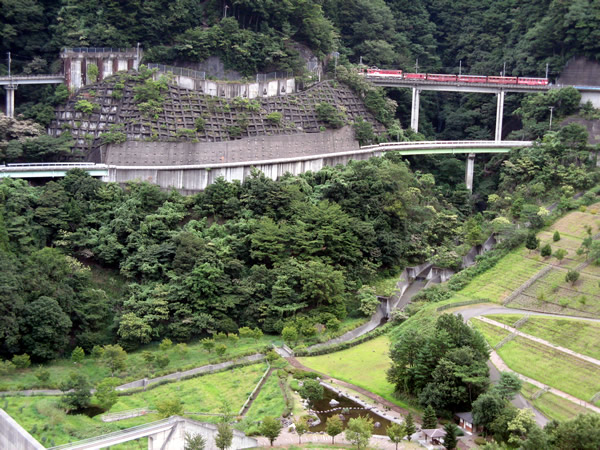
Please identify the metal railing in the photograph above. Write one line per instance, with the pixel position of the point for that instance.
(181, 71)
(53, 164)
(98, 50)
(262, 77)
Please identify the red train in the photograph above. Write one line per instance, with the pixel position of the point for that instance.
(445, 78)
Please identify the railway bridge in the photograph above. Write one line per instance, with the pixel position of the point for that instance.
(196, 177)
(418, 85)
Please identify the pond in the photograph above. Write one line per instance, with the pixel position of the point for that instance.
(325, 410)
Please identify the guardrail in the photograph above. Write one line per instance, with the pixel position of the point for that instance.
(262, 77)
(98, 50)
(434, 144)
(181, 71)
(86, 164)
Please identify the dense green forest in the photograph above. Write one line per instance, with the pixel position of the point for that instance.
(257, 36)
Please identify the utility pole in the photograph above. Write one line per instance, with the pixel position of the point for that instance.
(417, 65)
(460, 67)
(551, 108)
(137, 56)
(504, 69)
(546, 71)
(9, 61)
(225, 12)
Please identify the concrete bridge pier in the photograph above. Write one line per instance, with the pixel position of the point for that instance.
(470, 170)
(414, 114)
(499, 115)
(10, 99)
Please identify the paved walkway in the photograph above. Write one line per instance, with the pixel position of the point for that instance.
(468, 312)
(287, 438)
(539, 340)
(501, 365)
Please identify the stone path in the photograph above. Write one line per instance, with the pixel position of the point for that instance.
(539, 340)
(501, 365)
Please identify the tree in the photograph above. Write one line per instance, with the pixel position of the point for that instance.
(368, 300)
(450, 440)
(334, 426)
(546, 251)
(168, 407)
(224, 436)
(487, 408)
(301, 427)
(582, 432)
(508, 385)
(572, 276)
(106, 395)
(311, 390)
(560, 254)
(114, 357)
(359, 431)
(289, 334)
(520, 426)
(556, 236)
(77, 355)
(409, 426)
(194, 442)
(76, 391)
(532, 242)
(396, 433)
(429, 418)
(270, 427)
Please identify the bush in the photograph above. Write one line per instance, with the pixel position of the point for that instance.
(86, 107)
(546, 251)
(21, 361)
(328, 114)
(572, 276)
(274, 117)
(556, 236)
(200, 124)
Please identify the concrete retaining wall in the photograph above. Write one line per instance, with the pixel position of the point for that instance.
(259, 148)
(231, 90)
(14, 437)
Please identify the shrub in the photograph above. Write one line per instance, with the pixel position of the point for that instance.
(328, 114)
(77, 355)
(86, 106)
(200, 124)
(6, 367)
(21, 361)
(165, 344)
(274, 117)
(92, 73)
(546, 251)
(572, 276)
(556, 236)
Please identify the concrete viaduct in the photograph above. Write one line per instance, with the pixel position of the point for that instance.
(194, 178)
(482, 88)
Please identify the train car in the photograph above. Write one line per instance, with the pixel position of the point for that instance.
(472, 78)
(384, 73)
(414, 76)
(528, 81)
(440, 77)
(502, 80)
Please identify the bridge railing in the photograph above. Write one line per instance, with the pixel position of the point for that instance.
(50, 164)
(116, 434)
(447, 143)
(98, 50)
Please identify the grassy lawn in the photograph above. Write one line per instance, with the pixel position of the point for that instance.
(270, 401)
(364, 365)
(552, 406)
(577, 335)
(551, 367)
(493, 335)
(498, 283)
(43, 418)
(136, 367)
(574, 224)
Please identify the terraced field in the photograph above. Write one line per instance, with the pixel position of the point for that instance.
(552, 406)
(577, 335)
(552, 367)
(492, 334)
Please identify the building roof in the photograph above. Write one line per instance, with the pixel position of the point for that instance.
(466, 416)
(434, 432)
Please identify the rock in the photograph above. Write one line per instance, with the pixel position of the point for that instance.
(377, 425)
(334, 402)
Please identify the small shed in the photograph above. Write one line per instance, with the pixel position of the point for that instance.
(435, 436)
(465, 421)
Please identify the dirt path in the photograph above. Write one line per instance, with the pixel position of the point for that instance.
(379, 401)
